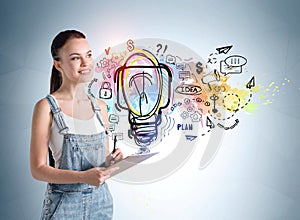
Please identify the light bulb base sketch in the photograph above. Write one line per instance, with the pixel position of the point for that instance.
(143, 88)
(144, 130)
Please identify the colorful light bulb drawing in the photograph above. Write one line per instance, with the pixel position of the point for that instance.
(144, 89)
(167, 102)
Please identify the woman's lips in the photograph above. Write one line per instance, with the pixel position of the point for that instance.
(85, 72)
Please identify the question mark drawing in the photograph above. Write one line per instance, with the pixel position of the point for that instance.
(159, 46)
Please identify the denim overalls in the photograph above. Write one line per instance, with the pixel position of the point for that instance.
(79, 152)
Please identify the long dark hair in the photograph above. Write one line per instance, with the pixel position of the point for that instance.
(57, 43)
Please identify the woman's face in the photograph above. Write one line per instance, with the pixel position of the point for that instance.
(75, 61)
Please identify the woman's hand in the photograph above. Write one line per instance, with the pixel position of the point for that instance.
(113, 157)
(97, 175)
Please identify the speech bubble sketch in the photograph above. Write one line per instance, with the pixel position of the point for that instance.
(113, 118)
(183, 75)
(232, 64)
(235, 61)
(170, 59)
(225, 69)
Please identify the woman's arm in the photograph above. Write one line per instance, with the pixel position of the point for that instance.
(40, 170)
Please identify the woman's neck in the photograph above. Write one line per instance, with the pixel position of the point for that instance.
(73, 92)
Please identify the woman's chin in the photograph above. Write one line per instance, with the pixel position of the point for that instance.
(84, 78)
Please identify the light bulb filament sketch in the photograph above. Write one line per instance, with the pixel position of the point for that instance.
(139, 83)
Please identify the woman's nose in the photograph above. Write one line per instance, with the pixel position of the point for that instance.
(84, 62)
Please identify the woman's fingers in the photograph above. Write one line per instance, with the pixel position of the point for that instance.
(117, 155)
(105, 172)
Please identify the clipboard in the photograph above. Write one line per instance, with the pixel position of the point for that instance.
(130, 161)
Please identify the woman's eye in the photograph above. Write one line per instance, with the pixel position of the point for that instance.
(89, 55)
(75, 58)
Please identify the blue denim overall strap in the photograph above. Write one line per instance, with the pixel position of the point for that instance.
(79, 201)
(58, 118)
(97, 110)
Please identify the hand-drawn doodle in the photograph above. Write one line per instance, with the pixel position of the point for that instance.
(232, 102)
(187, 101)
(105, 91)
(107, 51)
(198, 99)
(190, 108)
(235, 61)
(211, 77)
(183, 75)
(224, 49)
(180, 66)
(232, 64)
(199, 68)
(104, 62)
(170, 59)
(212, 59)
(188, 89)
(140, 83)
(251, 83)
(130, 45)
(113, 118)
(190, 137)
(156, 85)
(214, 98)
(196, 117)
(168, 126)
(111, 127)
(160, 46)
(119, 136)
(231, 127)
(184, 115)
(209, 123)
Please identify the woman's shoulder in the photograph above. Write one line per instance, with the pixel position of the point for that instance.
(42, 113)
(42, 105)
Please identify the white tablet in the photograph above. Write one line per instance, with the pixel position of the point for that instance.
(130, 161)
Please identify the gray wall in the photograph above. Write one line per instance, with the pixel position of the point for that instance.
(255, 173)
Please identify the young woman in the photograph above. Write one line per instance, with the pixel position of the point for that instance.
(73, 125)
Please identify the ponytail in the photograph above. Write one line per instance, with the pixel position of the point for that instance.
(55, 80)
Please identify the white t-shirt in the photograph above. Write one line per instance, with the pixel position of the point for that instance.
(76, 126)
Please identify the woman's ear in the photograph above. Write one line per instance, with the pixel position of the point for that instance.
(56, 64)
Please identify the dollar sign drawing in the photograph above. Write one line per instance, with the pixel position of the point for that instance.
(199, 68)
(130, 45)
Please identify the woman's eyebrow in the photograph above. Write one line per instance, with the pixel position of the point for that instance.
(79, 53)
